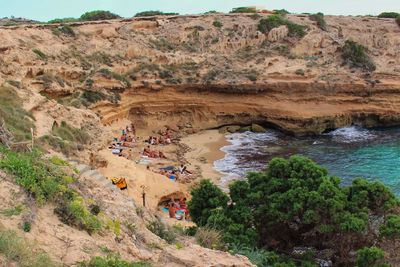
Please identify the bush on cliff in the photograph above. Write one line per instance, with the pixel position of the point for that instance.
(391, 15)
(154, 13)
(243, 10)
(293, 203)
(355, 56)
(370, 257)
(46, 182)
(98, 15)
(319, 19)
(17, 120)
(274, 21)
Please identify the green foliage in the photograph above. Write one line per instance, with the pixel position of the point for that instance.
(243, 10)
(154, 13)
(17, 250)
(113, 75)
(279, 207)
(112, 260)
(319, 18)
(211, 12)
(100, 58)
(217, 24)
(391, 227)
(35, 175)
(17, 120)
(391, 15)
(205, 198)
(261, 257)
(70, 133)
(209, 238)
(73, 212)
(355, 56)
(46, 182)
(299, 72)
(267, 24)
(63, 20)
(93, 96)
(370, 257)
(159, 229)
(163, 45)
(66, 30)
(26, 227)
(282, 12)
(14, 211)
(39, 54)
(98, 15)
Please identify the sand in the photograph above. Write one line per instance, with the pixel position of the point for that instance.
(205, 148)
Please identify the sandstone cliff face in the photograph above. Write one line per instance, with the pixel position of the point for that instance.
(186, 69)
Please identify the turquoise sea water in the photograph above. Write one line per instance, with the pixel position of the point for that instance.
(348, 153)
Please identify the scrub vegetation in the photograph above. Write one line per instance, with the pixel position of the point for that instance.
(295, 203)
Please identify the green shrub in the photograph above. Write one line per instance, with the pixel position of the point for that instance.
(211, 12)
(243, 10)
(112, 260)
(17, 120)
(26, 227)
(64, 20)
(255, 16)
(205, 198)
(98, 15)
(159, 229)
(293, 197)
(217, 24)
(281, 12)
(391, 227)
(355, 56)
(101, 58)
(370, 257)
(209, 238)
(36, 176)
(70, 133)
(163, 45)
(92, 96)
(274, 21)
(261, 257)
(73, 212)
(14, 211)
(391, 15)
(319, 18)
(110, 74)
(39, 54)
(66, 30)
(154, 13)
(300, 72)
(18, 250)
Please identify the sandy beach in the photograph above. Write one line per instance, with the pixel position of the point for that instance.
(205, 148)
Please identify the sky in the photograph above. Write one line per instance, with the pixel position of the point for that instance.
(44, 10)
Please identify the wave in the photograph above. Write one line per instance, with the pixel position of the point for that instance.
(352, 134)
(233, 165)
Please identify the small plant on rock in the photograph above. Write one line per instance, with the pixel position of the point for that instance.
(355, 55)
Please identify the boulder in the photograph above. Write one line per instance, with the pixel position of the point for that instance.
(245, 129)
(233, 128)
(257, 128)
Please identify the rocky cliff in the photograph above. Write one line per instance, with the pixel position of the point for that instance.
(186, 69)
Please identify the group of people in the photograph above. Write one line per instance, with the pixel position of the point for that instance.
(148, 152)
(178, 209)
(165, 138)
(181, 174)
(122, 145)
